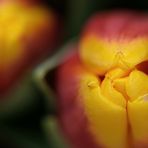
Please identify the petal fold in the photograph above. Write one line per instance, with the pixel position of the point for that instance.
(107, 121)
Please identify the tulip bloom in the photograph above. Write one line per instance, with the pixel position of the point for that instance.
(103, 86)
(28, 33)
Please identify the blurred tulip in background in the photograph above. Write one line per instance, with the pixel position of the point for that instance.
(28, 34)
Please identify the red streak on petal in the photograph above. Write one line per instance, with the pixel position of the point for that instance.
(117, 25)
(71, 115)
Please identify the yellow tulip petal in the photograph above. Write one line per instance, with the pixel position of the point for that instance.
(107, 121)
(111, 93)
(113, 86)
(136, 52)
(97, 54)
(137, 84)
(102, 55)
(117, 73)
(138, 119)
(119, 85)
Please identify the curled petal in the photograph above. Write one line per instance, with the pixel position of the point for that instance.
(107, 121)
(136, 85)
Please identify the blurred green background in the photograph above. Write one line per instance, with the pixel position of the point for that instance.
(36, 127)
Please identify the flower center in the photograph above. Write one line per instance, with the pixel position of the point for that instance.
(117, 106)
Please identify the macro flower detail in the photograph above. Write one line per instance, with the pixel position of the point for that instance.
(103, 86)
(28, 33)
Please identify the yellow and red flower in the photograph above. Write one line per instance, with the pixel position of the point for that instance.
(28, 33)
(103, 86)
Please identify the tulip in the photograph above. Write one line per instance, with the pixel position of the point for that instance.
(102, 87)
(28, 34)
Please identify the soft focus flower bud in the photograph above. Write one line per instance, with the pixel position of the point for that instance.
(102, 89)
(28, 33)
